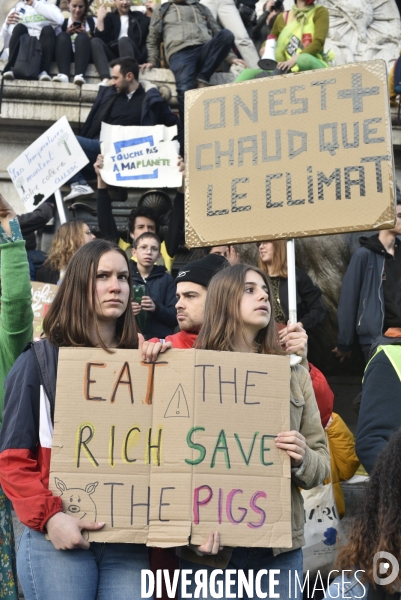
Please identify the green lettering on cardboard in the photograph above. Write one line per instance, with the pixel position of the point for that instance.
(246, 458)
(201, 449)
(221, 446)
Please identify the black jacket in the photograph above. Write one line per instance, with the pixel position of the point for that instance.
(155, 111)
(380, 411)
(89, 20)
(175, 232)
(138, 29)
(46, 274)
(32, 221)
(310, 308)
(361, 307)
(160, 286)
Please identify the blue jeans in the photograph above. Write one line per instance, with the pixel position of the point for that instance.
(255, 559)
(104, 572)
(91, 149)
(198, 62)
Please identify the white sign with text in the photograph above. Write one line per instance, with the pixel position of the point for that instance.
(47, 164)
(140, 156)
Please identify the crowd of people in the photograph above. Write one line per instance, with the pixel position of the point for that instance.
(193, 38)
(109, 299)
(118, 294)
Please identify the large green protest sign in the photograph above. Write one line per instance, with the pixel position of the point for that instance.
(167, 452)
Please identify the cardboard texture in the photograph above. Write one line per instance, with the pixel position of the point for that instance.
(290, 156)
(47, 164)
(42, 296)
(168, 452)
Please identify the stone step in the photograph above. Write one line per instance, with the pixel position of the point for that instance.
(78, 99)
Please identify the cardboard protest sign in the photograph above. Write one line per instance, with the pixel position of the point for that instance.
(42, 296)
(47, 164)
(169, 451)
(140, 156)
(290, 156)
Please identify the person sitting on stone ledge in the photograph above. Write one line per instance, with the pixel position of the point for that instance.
(74, 42)
(38, 18)
(124, 103)
(194, 44)
(237, 16)
(122, 32)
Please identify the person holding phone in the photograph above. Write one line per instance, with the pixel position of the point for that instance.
(73, 43)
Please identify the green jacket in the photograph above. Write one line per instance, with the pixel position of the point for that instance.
(321, 23)
(305, 418)
(16, 316)
(183, 25)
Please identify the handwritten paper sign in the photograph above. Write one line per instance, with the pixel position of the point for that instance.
(170, 451)
(290, 156)
(43, 295)
(47, 164)
(140, 156)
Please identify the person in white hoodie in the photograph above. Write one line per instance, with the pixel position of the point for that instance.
(39, 18)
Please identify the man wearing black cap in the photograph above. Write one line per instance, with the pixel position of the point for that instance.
(192, 284)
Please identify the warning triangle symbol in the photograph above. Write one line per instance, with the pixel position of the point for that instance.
(178, 406)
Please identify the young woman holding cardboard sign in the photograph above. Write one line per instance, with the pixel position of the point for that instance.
(239, 318)
(92, 309)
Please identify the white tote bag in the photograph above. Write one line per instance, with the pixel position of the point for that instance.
(321, 529)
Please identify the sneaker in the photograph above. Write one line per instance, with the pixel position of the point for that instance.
(8, 75)
(104, 82)
(79, 80)
(43, 76)
(79, 189)
(60, 78)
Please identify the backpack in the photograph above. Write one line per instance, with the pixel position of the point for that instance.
(29, 58)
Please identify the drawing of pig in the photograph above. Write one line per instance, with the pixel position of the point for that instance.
(77, 502)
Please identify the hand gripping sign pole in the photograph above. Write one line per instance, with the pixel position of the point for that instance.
(292, 292)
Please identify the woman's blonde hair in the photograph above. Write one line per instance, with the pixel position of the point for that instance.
(279, 263)
(68, 238)
(223, 318)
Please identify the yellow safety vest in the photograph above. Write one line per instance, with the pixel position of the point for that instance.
(393, 353)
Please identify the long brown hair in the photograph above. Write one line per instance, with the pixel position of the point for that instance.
(279, 262)
(85, 13)
(67, 322)
(67, 239)
(377, 523)
(223, 319)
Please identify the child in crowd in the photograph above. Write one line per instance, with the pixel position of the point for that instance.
(155, 311)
